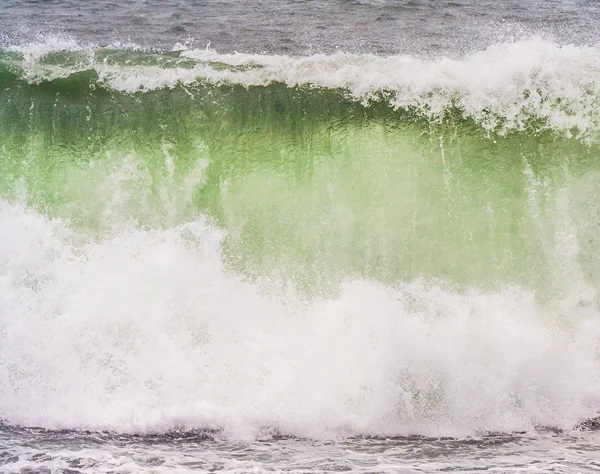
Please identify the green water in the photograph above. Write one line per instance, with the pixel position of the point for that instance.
(311, 187)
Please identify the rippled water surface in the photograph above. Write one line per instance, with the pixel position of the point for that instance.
(305, 26)
(40, 451)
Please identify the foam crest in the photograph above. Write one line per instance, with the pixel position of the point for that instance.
(532, 84)
(46, 45)
(148, 330)
(502, 87)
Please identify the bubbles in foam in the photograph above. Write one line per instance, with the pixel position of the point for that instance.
(147, 330)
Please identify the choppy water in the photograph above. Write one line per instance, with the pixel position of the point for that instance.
(29, 450)
(345, 236)
(305, 26)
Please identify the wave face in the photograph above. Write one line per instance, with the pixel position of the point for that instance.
(317, 246)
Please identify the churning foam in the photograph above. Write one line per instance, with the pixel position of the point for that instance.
(148, 330)
(504, 87)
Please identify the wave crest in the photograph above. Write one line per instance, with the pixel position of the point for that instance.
(530, 85)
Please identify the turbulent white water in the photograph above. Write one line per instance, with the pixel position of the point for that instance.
(146, 330)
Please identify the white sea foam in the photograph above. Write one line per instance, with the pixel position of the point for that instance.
(504, 87)
(147, 330)
(45, 45)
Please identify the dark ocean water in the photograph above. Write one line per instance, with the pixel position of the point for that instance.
(304, 27)
(299, 236)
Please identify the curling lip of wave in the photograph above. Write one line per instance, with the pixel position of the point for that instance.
(530, 85)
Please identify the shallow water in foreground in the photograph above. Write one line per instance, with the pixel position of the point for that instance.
(30, 450)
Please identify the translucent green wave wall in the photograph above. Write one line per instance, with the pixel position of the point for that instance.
(310, 187)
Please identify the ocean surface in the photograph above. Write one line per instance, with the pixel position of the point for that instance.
(299, 236)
